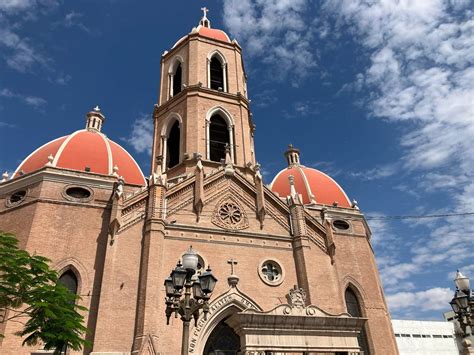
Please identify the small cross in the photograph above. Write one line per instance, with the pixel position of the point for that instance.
(205, 10)
(232, 262)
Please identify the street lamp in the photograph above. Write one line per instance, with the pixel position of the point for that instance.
(463, 306)
(182, 278)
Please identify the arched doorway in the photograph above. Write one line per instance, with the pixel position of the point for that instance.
(222, 341)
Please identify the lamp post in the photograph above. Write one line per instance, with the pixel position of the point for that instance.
(200, 288)
(463, 307)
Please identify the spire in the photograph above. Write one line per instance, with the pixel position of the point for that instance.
(292, 156)
(95, 119)
(204, 21)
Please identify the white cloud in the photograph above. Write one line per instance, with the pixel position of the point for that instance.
(380, 172)
(141, 136)
(74, 19)
(34, 101)
(6, 125)
(19, 53)
(434, 299)
(420, 74)
(16, 5)
(62, 79)
(273, 31)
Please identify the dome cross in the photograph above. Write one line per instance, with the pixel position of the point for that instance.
(204, 21)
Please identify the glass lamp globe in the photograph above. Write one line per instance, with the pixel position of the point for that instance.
(190, 260)
(462, 282)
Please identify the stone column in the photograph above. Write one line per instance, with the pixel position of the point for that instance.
(300, 240)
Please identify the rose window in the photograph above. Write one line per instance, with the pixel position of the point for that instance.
(230, 213)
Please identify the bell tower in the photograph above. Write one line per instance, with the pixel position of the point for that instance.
(202, 106)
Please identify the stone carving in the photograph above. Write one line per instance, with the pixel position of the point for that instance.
(230, 215)
(297, 297)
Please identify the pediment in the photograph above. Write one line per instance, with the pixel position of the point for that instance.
(219, 188)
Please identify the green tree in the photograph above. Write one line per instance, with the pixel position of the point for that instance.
(31, 294)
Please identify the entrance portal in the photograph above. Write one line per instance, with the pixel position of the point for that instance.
(222, 341)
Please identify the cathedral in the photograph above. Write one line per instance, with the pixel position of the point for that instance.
(285, 268)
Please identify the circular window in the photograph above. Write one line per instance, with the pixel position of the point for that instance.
(340, 224)
(16, 198)
(271, 272)
(77, 193)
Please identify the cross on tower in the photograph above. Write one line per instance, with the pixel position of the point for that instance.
(232, 262)
(205, 10)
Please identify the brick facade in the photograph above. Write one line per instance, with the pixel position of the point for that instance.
(121, 273)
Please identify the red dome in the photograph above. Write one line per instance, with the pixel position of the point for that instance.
(313, 185)
(203, 31)
(85, 150)
(213, 33)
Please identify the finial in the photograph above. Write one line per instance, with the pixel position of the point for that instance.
(204, 21)
(229, 165)
(50, 160)
(291, 180)
(4, 176)
(295, 197)
(115, 170)
(198, 157)
(97, 108)
(355, 204)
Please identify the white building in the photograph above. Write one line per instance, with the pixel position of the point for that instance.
(425, 337)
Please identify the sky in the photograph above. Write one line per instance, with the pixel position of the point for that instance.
(377, 94)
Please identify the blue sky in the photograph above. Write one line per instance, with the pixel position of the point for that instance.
(377, 94)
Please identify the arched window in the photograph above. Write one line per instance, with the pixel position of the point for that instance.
(173, 143)
(177, 80)
(219, 137)
(217, 72)
(69, 280)
(353, 308)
